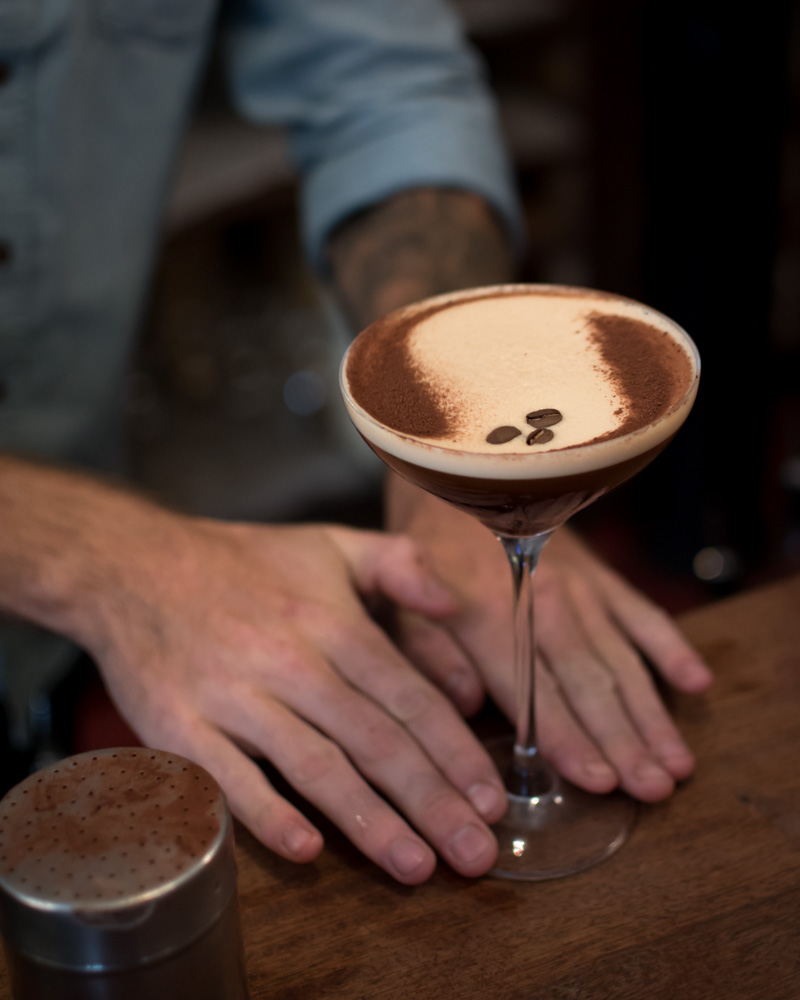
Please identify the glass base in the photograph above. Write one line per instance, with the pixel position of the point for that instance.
(559, 832)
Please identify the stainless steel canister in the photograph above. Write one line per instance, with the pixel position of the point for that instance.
(118, 881)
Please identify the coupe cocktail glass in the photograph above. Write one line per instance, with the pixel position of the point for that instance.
(551, 827)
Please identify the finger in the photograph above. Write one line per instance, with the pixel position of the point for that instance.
(393, 565)
(592, 693)
(657, 635)
(437, 654)
(485, 634)
(564, 743)
(383, 749)
(362, 654)
(268, 816)
(644, 706)
(383, 752)
(595, 701)
(318, 769)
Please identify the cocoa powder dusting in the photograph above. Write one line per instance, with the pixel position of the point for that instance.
(388, 384)
(647, 368)
(106, 825)
(385, 381)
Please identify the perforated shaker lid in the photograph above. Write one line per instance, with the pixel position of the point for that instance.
(113, 858)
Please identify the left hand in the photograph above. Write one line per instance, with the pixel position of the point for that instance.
(600, 719)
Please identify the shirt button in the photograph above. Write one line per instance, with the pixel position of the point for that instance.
(5, 252)
(5, 73)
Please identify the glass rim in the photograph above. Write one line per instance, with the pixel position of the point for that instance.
(531, 460)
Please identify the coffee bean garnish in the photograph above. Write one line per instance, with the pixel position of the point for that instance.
(544, 418)
(502, 434)
(540, 436)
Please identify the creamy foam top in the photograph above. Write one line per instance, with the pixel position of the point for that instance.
(430, 383)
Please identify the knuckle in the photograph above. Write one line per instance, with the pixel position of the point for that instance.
(591, 677)
(256, 641)
(581, 591)
(402, 550)
(291, 608)
(341, 631)
(412, 704)
(433, 794)
(380, 744)
(311, 767)
(287, 665)
(162, 722)
(621, 662)
(604, 681)
(404, 547)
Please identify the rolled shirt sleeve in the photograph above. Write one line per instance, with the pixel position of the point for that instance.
(378, 96)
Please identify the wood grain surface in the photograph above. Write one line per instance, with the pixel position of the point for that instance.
(703, 902)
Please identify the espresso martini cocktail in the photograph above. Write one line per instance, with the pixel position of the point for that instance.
(521, 404)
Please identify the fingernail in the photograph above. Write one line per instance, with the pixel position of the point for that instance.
(406, 855)
(674, 750)
(297, 839)
(677, 756)
(703, 674)
(648, 770)
(695, 672)
(469, 843)
(485, 797)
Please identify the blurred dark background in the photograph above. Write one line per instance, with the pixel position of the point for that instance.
(657, 147)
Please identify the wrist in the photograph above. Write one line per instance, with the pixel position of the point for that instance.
(77, 550)
(418, 243)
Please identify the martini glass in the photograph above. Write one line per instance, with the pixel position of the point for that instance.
(551, 827)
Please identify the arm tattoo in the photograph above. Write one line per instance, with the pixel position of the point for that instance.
(418, 243)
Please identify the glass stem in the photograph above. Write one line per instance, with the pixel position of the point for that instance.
(529, 775)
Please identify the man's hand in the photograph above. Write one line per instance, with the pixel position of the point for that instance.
(600, 719)
(260, 640)
(219, 640)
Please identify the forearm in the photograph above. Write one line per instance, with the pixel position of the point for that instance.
(418, 243)
(71, 547)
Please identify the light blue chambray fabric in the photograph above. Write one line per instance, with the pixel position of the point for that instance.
(377, 96)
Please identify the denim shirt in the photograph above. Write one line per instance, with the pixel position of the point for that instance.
(376, 96)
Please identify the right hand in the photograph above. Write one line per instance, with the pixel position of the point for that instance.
(601, 721)
(230, 640)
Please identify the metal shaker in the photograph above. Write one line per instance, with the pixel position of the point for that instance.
(118, 881)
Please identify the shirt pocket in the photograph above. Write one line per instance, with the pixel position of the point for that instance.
(165, 20)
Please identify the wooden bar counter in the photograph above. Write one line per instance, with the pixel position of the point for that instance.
(703, 902)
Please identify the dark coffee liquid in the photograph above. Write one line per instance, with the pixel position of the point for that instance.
(520, 507)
